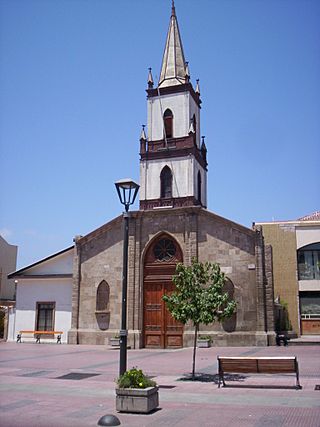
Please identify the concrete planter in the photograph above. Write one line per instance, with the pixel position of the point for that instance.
(115, 342)
(203, 343)
(137, 400)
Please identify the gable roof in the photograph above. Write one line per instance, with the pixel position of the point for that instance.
(23, 271)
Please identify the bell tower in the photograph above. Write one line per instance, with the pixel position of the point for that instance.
(173, 156)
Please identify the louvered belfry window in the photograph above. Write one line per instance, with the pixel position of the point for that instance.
(168, 123)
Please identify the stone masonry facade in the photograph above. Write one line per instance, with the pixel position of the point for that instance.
(240, 252)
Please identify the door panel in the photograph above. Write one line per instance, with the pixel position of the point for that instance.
(153, 322)
(159, 328)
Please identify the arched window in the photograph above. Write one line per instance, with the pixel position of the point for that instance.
(166, 183)
(103, 293)
(168, 123)
(199, 187)
(309, 262)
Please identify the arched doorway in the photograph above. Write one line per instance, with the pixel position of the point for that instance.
(160, 330)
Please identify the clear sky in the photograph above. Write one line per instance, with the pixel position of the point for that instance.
(72, 100)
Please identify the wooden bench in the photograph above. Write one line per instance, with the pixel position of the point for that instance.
(258, 365)
(38, 334)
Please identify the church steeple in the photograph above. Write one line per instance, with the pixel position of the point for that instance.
(173, 162)
(173, 69)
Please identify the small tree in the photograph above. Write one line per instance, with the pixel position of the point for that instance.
(199, 297)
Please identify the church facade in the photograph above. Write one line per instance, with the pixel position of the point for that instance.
(172, 225)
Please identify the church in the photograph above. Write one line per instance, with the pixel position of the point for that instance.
(172, 225)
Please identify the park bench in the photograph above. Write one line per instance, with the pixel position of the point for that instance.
(38, 334)
(258, 365)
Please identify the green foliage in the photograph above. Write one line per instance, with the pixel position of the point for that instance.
(135, 378)
(283, 322)
(199, 295)
(204, 338)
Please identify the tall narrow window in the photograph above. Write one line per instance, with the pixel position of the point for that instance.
(103, 293)
(199, 187)
(168, 123)
(166, 183)
(194, 122)
(45, 316)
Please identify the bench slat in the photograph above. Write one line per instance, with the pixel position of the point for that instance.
(258, 365)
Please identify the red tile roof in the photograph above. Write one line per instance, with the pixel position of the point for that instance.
(315, 216)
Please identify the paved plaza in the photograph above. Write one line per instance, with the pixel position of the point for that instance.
(35, 391)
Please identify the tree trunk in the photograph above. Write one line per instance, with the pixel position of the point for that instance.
(196, 328)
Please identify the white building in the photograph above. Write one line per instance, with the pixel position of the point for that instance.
(43, 296)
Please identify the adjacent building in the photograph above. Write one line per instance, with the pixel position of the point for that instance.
(44, 296)
(296, 269)
(8, 262)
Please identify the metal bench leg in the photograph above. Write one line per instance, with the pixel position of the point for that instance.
(19, 338)
(221, 380)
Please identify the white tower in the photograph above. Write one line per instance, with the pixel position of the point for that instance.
(173, 163)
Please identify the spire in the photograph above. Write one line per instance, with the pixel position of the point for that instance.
(187, 71)
(143, 134)
(150, 79)
(173, 69)
(198, 87)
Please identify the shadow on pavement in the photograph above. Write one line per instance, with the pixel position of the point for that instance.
(209, 378)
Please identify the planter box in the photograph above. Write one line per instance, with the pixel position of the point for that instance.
(114, 342)
(203, 343)
(137, 400)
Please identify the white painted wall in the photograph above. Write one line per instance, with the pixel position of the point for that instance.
(182, 177)
(195, 110)
(184, 169)
(203, 172)
(60, 264)
(182, 106)
(309, 285)
(306, 235)
(11, 325)
(29, 292)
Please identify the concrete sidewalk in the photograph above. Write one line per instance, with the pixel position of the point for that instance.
(36, 393)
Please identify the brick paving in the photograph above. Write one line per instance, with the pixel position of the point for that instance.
(33, 394)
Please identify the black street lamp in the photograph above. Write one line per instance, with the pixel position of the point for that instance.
(127, 192)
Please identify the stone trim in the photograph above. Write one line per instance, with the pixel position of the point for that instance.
(157, 150)
(172, 202)
(261, 282)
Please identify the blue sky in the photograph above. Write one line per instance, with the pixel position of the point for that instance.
(72, 82)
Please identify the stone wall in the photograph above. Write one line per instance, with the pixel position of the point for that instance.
(200, 234)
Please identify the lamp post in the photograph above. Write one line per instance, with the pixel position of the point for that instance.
(127, 192)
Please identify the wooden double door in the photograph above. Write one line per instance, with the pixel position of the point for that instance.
(159, 328)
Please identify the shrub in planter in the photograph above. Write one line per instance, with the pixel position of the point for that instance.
(204, 341)
(136, 392)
